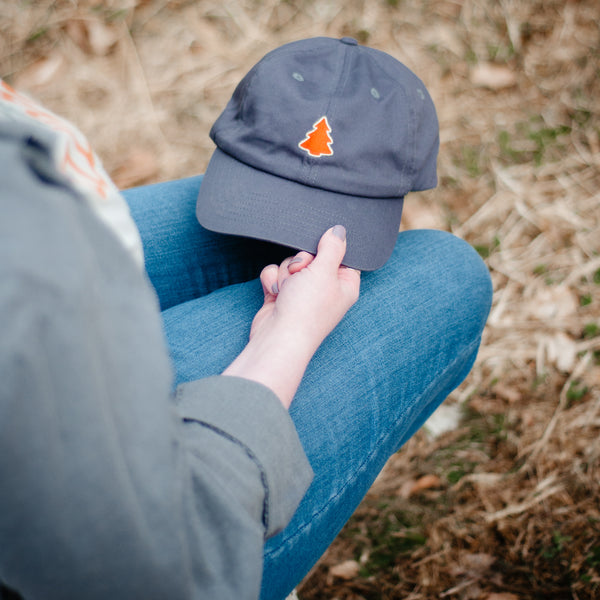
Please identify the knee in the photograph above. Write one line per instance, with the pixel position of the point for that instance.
(460, 267)
(446, 270)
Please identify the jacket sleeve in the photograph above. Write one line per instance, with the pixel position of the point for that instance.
(247, 473)
(110, 488)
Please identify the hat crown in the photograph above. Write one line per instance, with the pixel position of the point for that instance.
(334, 115)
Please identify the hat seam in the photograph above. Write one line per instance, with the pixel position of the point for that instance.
(271, 56)
(380, 58)
(312, 166)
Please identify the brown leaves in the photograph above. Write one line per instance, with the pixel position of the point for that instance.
(139, 166)
(551, 303)
(41, 72)
(92, 35)
(347, 570)
(471, 569)
(494, 77)
(419, 214)
(414, 486)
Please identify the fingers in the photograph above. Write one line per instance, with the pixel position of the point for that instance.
(300, 261)
(351, 279)
(330, 253)
(290, 266)
(268, 279)
(332, 247)
(273, 277)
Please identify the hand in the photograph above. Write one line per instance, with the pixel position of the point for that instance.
(306, 295)
(305, 298)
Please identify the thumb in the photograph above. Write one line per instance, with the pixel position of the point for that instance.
(268, 279)
(332, 247)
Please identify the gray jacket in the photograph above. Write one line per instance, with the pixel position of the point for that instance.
(111, 486)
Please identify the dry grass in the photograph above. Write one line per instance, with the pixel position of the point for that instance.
(508, 505)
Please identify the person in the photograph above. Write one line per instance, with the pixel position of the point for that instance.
(149, 444)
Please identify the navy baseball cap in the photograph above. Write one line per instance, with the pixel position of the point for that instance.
(321, 132)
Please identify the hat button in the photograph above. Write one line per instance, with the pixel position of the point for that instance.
(350, 41)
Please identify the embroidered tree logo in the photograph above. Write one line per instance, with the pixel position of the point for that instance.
(318, 141)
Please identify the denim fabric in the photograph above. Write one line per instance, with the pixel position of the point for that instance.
(408, 342)
(184, 260)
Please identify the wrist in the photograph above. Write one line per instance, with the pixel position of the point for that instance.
(275, 357)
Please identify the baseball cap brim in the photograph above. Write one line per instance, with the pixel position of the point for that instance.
(238, 199)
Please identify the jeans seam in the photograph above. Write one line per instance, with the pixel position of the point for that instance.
(469, 350)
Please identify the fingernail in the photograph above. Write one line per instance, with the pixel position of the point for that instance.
(297, 259)
(340, 232)
(275, 288)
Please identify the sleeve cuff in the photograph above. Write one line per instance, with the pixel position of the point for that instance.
(253, 416)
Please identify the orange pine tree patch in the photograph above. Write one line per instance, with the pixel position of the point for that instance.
(318, 141)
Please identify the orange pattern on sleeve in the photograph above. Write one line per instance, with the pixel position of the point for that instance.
(78, 159)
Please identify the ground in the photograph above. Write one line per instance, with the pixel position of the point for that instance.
(506, 504)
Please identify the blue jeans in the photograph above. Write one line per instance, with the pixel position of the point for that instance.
(408, 342)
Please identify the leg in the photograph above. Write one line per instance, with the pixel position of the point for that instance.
(408, 342)
(411, 339)
(184, 260)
